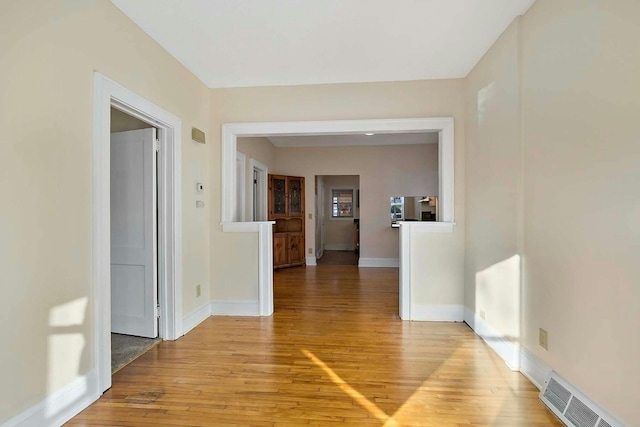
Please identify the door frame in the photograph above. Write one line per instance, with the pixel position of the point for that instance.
(319, 223)
(241, 195)
(261, 197)
(444, 126)
(107, 94)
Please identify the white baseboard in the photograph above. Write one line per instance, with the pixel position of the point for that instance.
(506, 348)
(533, 368)
(59, 407)
(235, 308)
(220, 308)
(339, 247)
(196, 317)
(311, 260)
(516, 356)
(437, 312)
(379, 262)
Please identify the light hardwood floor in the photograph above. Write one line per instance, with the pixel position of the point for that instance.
(338, 258)
(335, 352)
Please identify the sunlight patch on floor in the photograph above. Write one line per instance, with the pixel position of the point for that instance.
(353, 393)
(434, 398)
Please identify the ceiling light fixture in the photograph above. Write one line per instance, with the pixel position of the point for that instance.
(369, 134)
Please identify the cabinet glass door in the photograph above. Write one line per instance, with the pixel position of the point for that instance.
(295, 196)
(279, 196)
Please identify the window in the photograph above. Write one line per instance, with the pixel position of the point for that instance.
(341, 203)
(397, 208)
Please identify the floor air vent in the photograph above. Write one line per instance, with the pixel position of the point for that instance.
(572, 407)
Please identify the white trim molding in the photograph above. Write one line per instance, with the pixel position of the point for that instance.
(262, 197)
(196, 317)
(220, 308)
(241, 171)
(508, 349)
(265, 268)
(379, 262)
(60, 406)
(311, 261)
(340, 246)
(404, 295)
(533, 368)
(108, 93)
(244, 227)
(236, 308)
(516, 356)
(437, 312)
(428, 226)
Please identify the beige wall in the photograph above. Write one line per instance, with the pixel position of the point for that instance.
(580, 92)
(384, 171)
(437, 274)
(262, 150)
(413, 170)
(435, 98)
(121, 122)
(576, 86)
(493, 174)
(339, 232)
(49, 51)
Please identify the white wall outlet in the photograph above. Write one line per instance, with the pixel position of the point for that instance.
(310, 251)
(543, 339)
(198, 291)
(310, 216)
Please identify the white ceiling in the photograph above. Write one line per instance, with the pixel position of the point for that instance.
(354, 139)
(236, 43)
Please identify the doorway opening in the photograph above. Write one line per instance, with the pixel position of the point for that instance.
(259, 172)
(107, 95)
(442, 127)
(337, 219)
(134, 238)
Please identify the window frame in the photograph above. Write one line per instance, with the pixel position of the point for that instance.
(392, 204)
(353, 204)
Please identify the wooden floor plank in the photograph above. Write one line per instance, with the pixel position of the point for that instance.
(334, 352)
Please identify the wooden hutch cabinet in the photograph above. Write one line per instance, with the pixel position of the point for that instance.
(286, 208)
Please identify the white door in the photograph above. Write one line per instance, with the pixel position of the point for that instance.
(134, 292)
